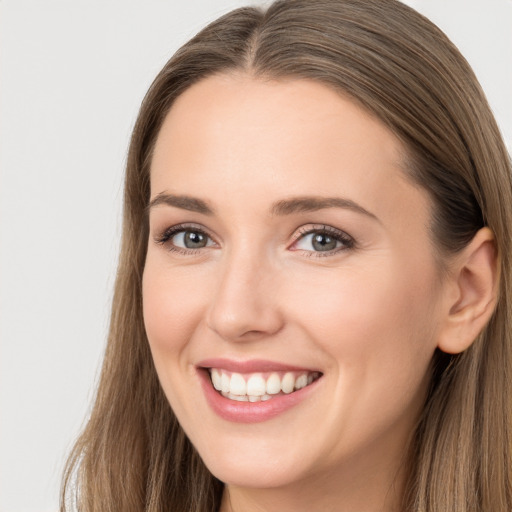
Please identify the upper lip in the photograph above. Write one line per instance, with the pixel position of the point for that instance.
(250, 366)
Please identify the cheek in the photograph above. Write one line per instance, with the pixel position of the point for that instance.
(377, 322)
(172, 308)
(378, 328)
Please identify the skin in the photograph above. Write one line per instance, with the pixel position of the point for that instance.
(368, 316)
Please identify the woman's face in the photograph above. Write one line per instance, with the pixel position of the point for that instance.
(289, 259)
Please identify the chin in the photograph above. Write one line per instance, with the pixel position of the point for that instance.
(253, 461)
(260, 474)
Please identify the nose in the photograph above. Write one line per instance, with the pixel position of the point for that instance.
(245, 305)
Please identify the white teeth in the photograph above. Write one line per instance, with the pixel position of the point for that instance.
(238, 398)
(216, 379)
(235, 386)
(273, 384)
(301, 382)
(256, 385)
(288, 383)
(225, 381)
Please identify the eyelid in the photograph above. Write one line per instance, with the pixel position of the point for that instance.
(165, 235)
(347, 240)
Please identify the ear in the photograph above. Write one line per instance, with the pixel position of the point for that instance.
(474, 283)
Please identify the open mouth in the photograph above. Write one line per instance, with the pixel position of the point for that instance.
(260, 386)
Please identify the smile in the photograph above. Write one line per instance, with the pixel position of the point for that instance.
(256, 390)
(259, 387)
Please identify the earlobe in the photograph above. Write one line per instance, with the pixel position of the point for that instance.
(475, 281)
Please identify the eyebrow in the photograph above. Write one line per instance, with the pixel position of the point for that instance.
(192, 204)
(314, 203)
(283, 207)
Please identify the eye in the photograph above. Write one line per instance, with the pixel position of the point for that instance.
(190, 239)
(323, 240)
(185, 238)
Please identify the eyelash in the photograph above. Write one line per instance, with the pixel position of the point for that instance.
(169, 233)
(346, 240)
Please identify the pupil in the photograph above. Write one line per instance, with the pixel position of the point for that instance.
(322, 242)
(194, 240)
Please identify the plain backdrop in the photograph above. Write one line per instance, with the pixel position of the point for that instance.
(73, 74)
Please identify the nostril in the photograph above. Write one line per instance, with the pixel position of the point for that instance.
(243, 322)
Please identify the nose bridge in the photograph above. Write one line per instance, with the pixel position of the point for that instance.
(244, 305)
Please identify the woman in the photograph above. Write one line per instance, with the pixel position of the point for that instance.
(312, 305)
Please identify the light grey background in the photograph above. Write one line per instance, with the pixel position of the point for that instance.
(73, 73)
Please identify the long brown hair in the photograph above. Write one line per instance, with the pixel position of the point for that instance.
(132, 454)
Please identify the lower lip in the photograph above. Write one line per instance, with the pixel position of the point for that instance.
(251, 412)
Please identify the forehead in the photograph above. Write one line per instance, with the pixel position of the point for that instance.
(244, 136)
(241, 112)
